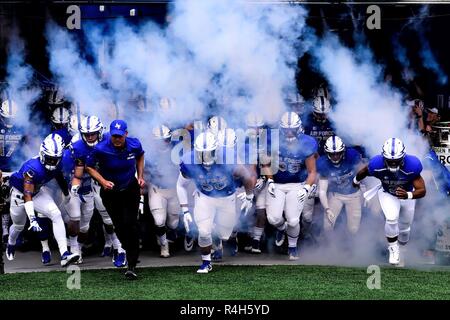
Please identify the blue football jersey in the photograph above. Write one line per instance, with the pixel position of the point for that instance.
(65, 135)
(340, 178)
(409, 171)
(77, 154)
(217, 181)
(11, 148)
(291, 159)
(320, 131)
(36, 170)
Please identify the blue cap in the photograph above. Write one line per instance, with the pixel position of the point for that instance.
(118, 127)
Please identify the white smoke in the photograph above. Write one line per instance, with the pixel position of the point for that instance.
(19, 78)
(367, 110)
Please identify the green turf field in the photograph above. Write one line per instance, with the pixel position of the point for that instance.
(231, 282)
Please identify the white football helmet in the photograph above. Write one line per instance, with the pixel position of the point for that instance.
(290, 126)
(393, 152)
(295, 102)
(335, 149)
(55, 97)
(51, 151)
(161, 132)
(321, 108)
(216, 123)
(8, 111)
(60, 116)
(205, 147)
(91, 129)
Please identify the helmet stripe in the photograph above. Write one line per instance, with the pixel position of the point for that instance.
(393, 147)
(322, 104)
(54, 142)
(334, 143)
(290, 120)
(161, 133)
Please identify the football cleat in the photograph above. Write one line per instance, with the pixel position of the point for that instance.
(107, 251)
(217, 255)
(10, 252)
(188, 243)
(205, 267)
(165, 251)
(233, 243)
(131, 274)
(279, 238)
(67, 258)
(394, 254)
(2, 268)
(293, 253)
(120, 260)
(46, 257)
(255, 246)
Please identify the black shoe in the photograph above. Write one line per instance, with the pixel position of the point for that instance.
(131, 274)
(2, 268)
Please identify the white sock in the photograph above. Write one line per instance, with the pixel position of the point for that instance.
(163, 239)
(257, 233)
(393, 244)
(116, 242)
(45, 246)
(108, 241)
(292, 242)
(206, 257)
(74, 248)
(59, 231)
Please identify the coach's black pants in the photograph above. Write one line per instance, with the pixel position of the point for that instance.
(123, 207)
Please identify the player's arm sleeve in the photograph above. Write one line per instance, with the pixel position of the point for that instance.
(182, 193)
(323, 188)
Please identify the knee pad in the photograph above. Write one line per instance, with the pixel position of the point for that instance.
(53, 212)
(292, 223)
(204, 241)
(18, 227)
(276, 222)
(109, 228)
(391, 228)
(403, 236)
(84, 228)
(159, 216)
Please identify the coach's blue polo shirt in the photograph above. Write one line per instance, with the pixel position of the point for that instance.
(118, 166)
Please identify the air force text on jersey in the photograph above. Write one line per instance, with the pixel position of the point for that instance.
(226, 309)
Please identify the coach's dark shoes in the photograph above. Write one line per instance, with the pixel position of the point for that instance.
(2, 268)
(131, 274)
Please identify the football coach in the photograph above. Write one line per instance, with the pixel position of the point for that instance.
(114, 163)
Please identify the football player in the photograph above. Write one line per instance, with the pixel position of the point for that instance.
(215, 195)
(162, 193)
(83, 199)
(336, 190)
(29, 192)
(289, 187)
(12, 152)
(401, 185)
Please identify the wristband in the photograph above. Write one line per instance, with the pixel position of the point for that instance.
(355, 181)
(410, 195)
